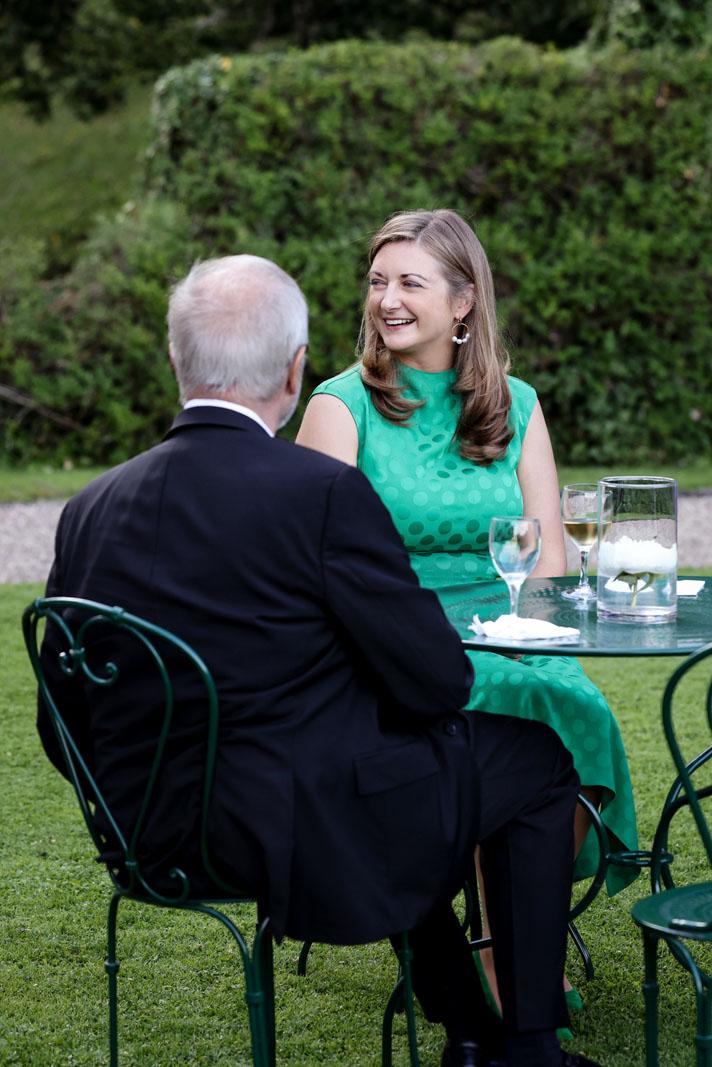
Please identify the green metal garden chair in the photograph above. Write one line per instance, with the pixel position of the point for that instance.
(84, 627)
(91, 621)
(680, 915)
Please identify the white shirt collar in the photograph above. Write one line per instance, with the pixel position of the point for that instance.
(228, 404)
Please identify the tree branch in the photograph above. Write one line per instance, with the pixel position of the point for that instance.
(16, 397)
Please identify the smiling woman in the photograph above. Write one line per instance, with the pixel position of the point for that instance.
(449, 440)
(437, 275)
(430, 311)
(411, 308)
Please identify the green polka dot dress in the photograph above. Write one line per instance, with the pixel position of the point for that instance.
(441, 505)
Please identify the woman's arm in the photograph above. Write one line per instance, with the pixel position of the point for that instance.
(328, 426)
(540, 490)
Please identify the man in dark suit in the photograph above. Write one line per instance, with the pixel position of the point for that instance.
(349, 790)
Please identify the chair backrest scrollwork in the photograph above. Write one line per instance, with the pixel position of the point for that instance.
(690, 788)
(85, 634)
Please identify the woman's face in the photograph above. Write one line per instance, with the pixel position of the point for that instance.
(410, 305)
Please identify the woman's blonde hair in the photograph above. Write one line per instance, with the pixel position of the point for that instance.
(481, 363)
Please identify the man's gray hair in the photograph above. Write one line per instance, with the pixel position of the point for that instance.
(235, 323)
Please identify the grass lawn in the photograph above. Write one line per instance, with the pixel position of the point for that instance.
(179, 984)
(690, 478)
(56, 175)
(42, 482)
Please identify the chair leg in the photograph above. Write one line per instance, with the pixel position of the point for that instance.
(258, 970)
(407, 956)
(703, 1037)
(401, 1000)
(394, 1005)
(650, 997)
(582, 947)
(111, 966)
(259, 996)
(265, 948)
(472, 901)
(303, 956)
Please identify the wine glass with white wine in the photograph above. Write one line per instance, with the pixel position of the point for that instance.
(514, 546)
(579, 510)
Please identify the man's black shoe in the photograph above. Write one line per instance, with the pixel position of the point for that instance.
(461, 1054)
(575, 1059)
(467, 1054)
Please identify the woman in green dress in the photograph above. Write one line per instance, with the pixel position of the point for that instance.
(448, 439)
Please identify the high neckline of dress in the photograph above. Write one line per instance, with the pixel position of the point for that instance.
(427, 383)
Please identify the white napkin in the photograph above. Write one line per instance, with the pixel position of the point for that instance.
(517, 629)
(688, 587)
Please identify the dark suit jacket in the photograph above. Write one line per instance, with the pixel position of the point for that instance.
(341, 787)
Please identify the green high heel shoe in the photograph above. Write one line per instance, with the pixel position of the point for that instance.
(574, 1000)
(563, 1033)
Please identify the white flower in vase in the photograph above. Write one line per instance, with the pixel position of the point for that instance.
(634, 565)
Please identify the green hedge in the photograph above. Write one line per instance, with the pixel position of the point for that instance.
(586, 177)
(86, 356)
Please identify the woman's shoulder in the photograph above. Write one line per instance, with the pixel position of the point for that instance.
(523, 401)
(523, 394)
(347, 386)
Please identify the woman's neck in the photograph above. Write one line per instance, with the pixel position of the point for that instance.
(433, 362)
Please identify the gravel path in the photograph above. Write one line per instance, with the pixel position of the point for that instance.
(27, 536)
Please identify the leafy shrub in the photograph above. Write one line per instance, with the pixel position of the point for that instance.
(645, 23)
(86, 358)
(585, 176)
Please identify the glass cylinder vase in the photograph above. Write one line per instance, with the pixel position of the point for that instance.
(637, 549)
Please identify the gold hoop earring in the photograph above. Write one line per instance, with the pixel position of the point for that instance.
(462, 339)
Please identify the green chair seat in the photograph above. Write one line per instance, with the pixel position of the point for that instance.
(684, 912)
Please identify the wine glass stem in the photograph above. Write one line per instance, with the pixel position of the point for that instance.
(583, 569)
(514, 588)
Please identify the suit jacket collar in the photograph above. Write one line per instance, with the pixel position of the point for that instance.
(210, 416)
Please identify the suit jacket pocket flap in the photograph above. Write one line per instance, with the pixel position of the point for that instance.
(389, 768)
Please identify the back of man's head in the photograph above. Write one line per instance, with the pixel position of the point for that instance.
(235, 325)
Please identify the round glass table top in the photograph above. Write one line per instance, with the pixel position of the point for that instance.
(541, 599)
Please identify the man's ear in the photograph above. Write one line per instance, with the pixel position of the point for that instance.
(171, 357)
(296, 369)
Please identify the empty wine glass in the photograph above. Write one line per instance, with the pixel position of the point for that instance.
(579, 510)
(514, 546)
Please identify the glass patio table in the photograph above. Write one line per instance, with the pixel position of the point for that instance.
(541, 599)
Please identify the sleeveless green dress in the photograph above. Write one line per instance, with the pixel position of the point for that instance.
(441, 505)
